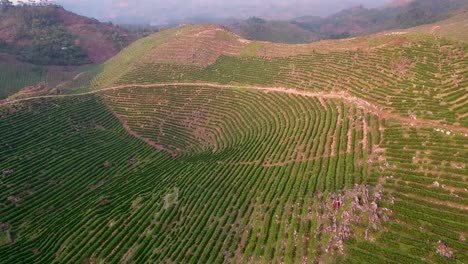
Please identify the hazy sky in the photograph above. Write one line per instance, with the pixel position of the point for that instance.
(161, 11)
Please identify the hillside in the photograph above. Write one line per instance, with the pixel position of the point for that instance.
(194, 145)
(51, 35)
(45, 49)
(393, 67)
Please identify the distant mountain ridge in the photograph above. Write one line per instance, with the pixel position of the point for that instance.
(351, 22)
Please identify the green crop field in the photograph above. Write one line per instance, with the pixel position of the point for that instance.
(234, 181)
(242, 152)
(423, 78)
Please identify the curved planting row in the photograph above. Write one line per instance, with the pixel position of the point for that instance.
(424, 78)
(242, 126)
(75, 186)
(423, 172)
(258, 178)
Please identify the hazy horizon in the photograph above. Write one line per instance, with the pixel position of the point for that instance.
(162, 12)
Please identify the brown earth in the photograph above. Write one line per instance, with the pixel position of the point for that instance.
(93, 36)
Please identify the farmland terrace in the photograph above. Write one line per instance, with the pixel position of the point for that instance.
(194, 145)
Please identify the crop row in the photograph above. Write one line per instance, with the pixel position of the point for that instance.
(83, 189)
(423, 79)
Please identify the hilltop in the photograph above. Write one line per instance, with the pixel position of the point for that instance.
(50, 35)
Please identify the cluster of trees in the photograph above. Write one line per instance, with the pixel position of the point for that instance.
(49, 41)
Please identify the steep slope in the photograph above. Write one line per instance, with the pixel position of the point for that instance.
(218, 136)
(52, 35)
(101, 41)
(42, 48)
(187, 46)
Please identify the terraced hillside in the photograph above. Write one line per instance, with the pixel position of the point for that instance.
(252, 170)
(255, 153)
(414, 75)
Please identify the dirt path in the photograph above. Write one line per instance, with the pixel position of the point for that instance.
(363, 104)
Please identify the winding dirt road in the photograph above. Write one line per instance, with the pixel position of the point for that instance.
(363, 104)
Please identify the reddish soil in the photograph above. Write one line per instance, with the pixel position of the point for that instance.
(92, 35)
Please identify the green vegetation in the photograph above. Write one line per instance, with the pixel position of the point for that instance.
(70, 80)
(43, 80)
(425, 170)
(360, 158)
(424, 78)
(252, 49)
(14, 77)
(3, 238)
(50, 35)
(114, 207)
(422, 12)
(119, 65)
(244, 182)
(51, 43)
(274, 31)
